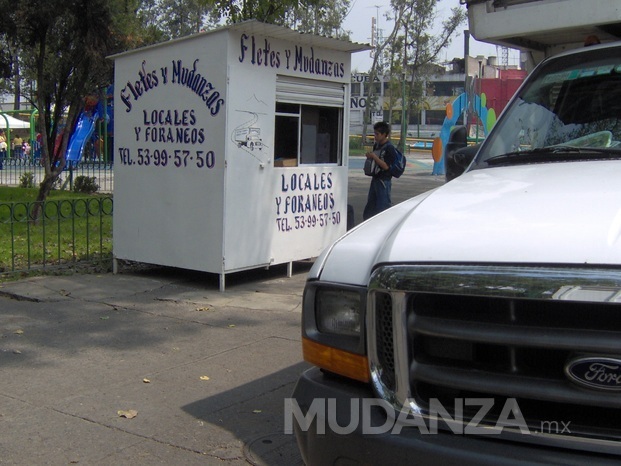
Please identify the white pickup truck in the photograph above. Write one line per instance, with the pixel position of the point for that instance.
(480, 323)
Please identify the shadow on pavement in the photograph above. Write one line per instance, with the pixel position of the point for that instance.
(254, 413)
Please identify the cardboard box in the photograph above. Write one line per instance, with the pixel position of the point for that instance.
(286, 163)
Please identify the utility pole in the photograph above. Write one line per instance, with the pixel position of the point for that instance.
(373, 40)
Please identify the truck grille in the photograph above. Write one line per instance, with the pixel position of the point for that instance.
(495, 332)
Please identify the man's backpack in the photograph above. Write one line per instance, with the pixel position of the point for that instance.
(398, 166)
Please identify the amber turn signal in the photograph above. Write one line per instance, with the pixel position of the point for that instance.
(354, 366)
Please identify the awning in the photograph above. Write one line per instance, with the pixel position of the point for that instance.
(14, 123)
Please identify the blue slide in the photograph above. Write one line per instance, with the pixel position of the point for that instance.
(83, 131)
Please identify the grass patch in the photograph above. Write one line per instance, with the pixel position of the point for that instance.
(11, 194)
(73, 228)
(356, 147)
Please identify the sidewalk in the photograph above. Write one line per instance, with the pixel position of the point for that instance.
(206, 372)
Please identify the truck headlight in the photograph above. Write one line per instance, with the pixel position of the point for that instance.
(333, 336)
(338, 311)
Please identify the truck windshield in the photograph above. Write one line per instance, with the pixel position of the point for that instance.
(570, 108)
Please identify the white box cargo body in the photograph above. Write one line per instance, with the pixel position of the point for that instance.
(231, 148)
(544, 27)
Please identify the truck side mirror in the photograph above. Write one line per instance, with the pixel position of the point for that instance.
(458, 155)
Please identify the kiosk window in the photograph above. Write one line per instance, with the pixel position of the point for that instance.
(308, 134)
(287, 134)
(308, 122)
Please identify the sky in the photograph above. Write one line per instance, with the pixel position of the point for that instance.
(359, 23)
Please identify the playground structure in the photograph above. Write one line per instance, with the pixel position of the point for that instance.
(83, 133)
(90, 139)
(92, 132)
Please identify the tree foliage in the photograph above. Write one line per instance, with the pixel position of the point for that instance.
(322, 17)
(62, 46)
(268, 11)
(413, 46)
(170, 19)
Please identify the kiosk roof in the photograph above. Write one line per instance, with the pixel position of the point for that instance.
(270, 30)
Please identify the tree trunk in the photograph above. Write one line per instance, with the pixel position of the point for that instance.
(44, 189)
(18, 89)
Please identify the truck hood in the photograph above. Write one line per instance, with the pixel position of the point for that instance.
(556, 213)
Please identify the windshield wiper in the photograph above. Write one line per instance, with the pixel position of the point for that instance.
(554, 154)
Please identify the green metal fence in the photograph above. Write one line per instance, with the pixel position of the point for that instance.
(67, 233)
(12, 169)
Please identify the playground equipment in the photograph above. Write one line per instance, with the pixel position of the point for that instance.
(86, 128)
(83, 131)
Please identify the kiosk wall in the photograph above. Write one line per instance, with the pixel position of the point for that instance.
(231, 148)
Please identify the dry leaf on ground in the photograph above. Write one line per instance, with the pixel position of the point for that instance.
(129, 414)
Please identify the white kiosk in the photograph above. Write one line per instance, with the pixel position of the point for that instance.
(231, 148)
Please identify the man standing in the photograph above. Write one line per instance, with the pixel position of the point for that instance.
(384, 156)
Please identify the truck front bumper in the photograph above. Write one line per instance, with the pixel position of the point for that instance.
(322, 445)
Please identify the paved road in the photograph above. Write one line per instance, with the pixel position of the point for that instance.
(416, 180)
(205, 373)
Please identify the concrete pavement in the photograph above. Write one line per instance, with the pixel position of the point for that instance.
(205, 373)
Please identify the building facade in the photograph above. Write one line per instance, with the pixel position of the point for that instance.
(445, 84)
